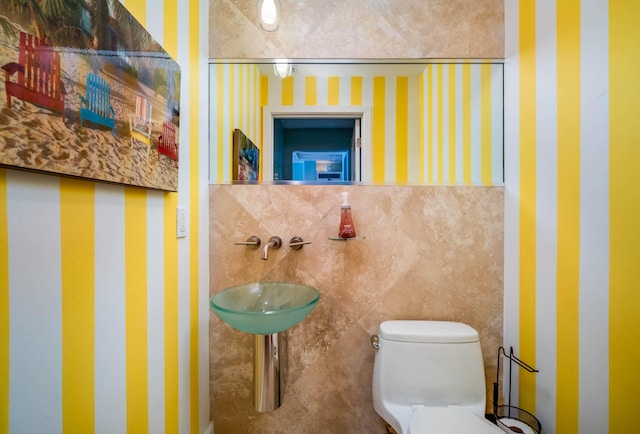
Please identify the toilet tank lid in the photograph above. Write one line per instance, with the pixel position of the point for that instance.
(427, 331)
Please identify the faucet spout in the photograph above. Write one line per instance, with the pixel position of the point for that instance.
(274, 243)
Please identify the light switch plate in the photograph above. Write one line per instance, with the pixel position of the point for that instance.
(181, 222)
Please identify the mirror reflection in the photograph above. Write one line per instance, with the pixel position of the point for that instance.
(376, 123)
(314, 149)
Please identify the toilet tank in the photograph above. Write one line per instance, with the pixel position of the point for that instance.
(427, 363)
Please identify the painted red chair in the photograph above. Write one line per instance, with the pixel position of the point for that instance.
(167, 144)
(37, 75)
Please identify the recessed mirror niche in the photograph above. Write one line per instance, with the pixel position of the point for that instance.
(431, 123)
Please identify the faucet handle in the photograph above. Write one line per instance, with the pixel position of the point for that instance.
(253, 242)
(296, 243)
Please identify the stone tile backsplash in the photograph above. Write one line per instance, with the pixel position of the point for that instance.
(430, 252)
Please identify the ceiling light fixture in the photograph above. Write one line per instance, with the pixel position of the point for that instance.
(269, 15)
(282, 68)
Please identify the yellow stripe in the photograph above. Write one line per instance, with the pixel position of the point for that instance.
(135, 217)
(310, 91)
(421, 109)
(171, 263)
(220, 110)
(4, 306)
(528, 204)
(485, 116)
(251, 102)
(250, 109)
(333, 91)
(452, 124)
(257, 112)
(432, 107)
(402, 130)
(568, 273)
(242, 107)
(466, 123)
(264, 100)
(77, 238)
(287, 91)
(194, 208)
(170, 314)
(356, 90)
(231, 110)
(378, 141)
(624, 191)
(439, 78)
(138, 8)
(264, 90)
(258, 108)
(170, 42)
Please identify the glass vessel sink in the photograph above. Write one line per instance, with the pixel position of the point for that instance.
(264, 308)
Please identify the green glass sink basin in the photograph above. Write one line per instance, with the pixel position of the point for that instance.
(264, 308)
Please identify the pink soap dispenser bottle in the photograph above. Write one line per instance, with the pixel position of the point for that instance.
(347, 230)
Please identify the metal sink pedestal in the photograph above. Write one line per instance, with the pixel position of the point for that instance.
(267, 385)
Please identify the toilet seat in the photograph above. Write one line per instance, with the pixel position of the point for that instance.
(449, 420)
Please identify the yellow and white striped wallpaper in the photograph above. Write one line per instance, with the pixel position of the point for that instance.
(461, 128)
(443, 126)
(572, 189)
(103, 311)
(234, 102)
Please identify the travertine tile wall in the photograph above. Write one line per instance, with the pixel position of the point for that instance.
(360, 29)
(429, 253)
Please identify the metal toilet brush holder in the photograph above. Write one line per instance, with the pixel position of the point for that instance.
(509, 418)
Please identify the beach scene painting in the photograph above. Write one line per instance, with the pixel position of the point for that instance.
(246, 158)
(85, 91)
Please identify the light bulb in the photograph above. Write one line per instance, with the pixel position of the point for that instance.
(269, 15)
(282, 68)
(269, 12)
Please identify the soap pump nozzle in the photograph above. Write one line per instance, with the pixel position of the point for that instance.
(347, 230)
(345, 200)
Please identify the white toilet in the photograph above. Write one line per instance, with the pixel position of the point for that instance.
(428, 377)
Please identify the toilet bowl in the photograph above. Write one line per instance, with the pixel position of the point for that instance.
(428, 377)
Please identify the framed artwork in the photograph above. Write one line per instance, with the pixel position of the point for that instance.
(246, 158)
(85, 91)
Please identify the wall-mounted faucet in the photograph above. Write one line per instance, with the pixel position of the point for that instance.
(274, 243)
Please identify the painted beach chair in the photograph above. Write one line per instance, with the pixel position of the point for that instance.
(37, 75)
(167, 144)
(95, 106)
(140, 122)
